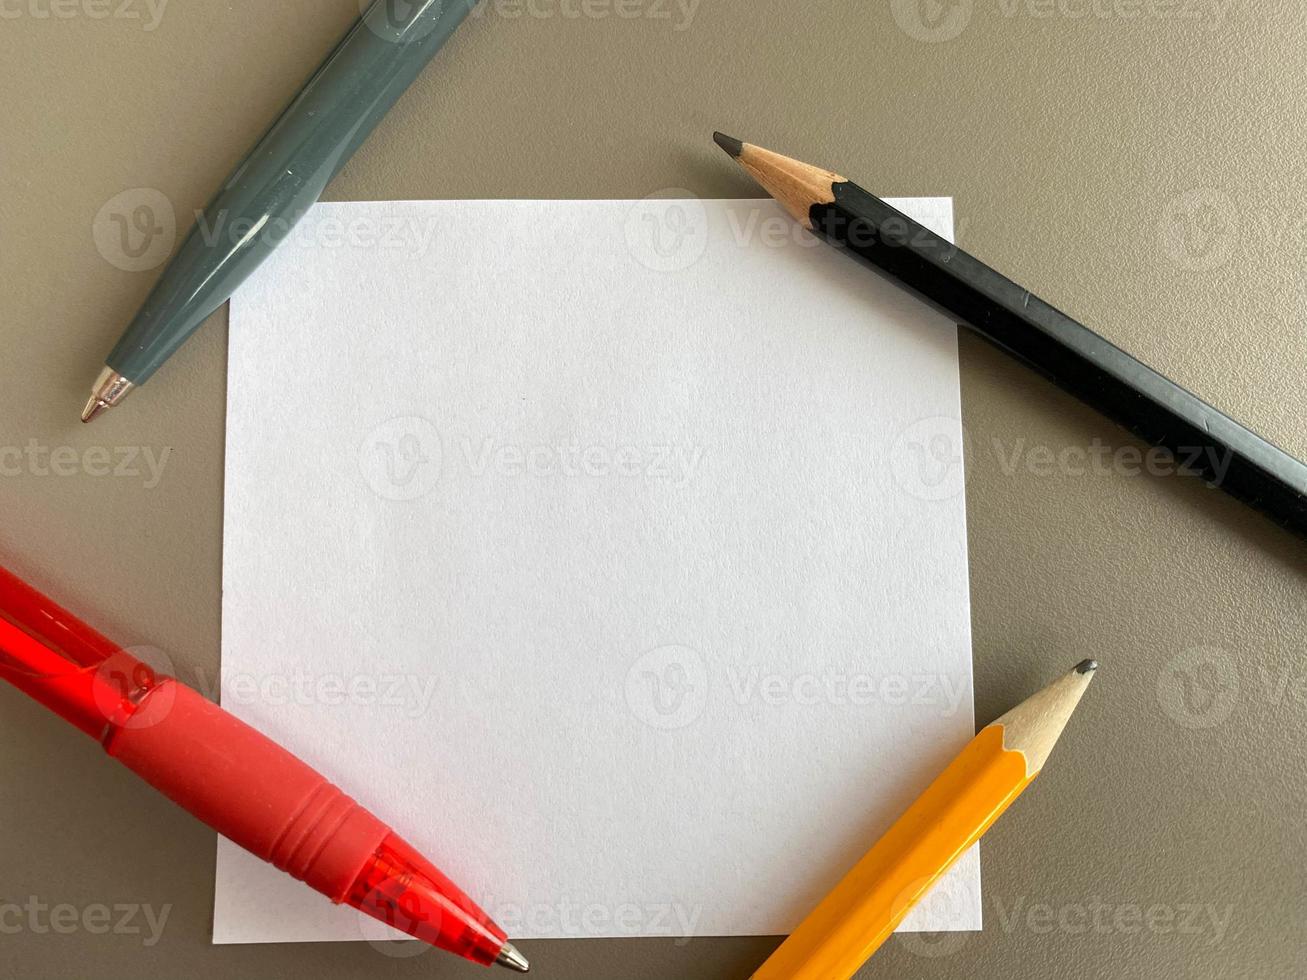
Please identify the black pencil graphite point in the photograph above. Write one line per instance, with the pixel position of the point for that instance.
(1086, 666)
(728, 143)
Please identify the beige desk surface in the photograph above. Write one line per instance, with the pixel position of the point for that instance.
(1141, 165)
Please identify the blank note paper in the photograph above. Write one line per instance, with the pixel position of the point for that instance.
(613, 552)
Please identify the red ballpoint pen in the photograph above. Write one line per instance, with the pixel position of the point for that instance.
(239, 782)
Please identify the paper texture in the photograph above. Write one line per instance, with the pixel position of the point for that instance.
(613, 552)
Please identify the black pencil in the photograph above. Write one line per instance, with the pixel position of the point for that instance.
(1199, 437)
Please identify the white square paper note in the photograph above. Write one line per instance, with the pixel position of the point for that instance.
(613, 552)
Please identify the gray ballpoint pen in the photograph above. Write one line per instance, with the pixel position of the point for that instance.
(279, 180)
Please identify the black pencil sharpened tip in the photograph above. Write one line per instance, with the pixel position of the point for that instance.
(1086, 666)
(728, 143)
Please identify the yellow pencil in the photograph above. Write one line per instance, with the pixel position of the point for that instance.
(850, 924)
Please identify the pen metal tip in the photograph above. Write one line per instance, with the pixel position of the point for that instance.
(1086, 666)
(728, 143)
(514, 960)
(93, 408)
(110, 388)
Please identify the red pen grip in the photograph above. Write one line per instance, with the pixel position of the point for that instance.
(248, 788)
(239, 782)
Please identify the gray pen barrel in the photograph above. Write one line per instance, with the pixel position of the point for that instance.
(285, 174)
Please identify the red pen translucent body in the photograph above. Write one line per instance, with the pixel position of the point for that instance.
(403, 890)
(54, 657)
(229, 775)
